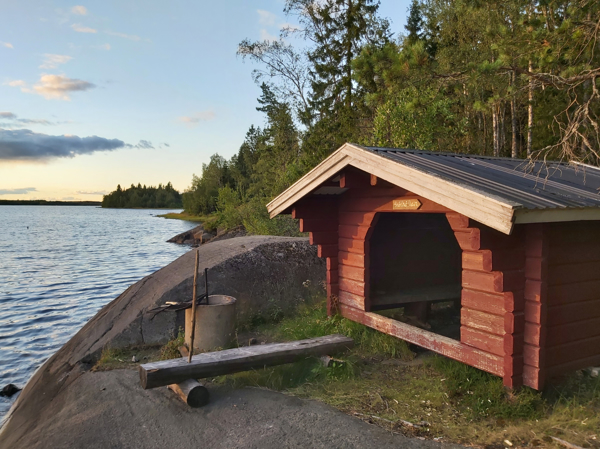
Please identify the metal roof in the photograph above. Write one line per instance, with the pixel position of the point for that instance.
(526, 184)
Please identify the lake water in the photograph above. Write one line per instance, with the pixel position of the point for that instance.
(59, 265)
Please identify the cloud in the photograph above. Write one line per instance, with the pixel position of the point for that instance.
(266, 36)
(52, 61)
(198, 117)
(12, 121)
(104, 47)
(79, 10)
(132, 37)
(166, 144)
(23, 191)
(83, 29)
(54, 86)
(144, 145)
(99, 192)
(7, 45)
(26, 145)
(266, 17)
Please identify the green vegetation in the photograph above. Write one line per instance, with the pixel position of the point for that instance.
(381, 382)
(507, 78)
(143, 197)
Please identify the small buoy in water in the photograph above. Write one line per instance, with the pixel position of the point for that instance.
(9, 390)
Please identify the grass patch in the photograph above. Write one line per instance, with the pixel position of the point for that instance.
(122, 358)
(379, 378)
(171, 349)
(182, 216)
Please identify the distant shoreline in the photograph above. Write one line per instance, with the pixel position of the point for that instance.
(48, 203)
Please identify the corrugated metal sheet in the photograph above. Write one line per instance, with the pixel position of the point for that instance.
(532, 185)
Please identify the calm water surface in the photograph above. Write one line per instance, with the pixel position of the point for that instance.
(59, 265)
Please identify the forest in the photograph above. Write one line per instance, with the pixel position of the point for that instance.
(509, 78)
(143, 197)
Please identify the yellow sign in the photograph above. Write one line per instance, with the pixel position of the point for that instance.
(413, 204)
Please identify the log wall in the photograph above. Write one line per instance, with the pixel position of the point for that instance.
(493, 282)
(572, 313)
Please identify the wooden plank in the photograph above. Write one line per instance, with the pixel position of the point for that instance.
(332, 263)
(532, 377)
(494, 303)
(429, 340)
(575, 253)
(492, 324)
(192, 392)
(387, 190)
(157, 374)
(533, 312)
(327, 250)
(318, 225)
(531, 355)
(332, 276)
(573, 312)
(353, 232)
(575, 331)
(323, 238)
(457, 221)
(348, 272)
(351, 246)
(354, 179)
(477, 260)
(315, 208)
(386, 204)
(574, 273)
(514, 323)
(468, 240)
(373, 180)
(352, 300)
(513, 344)
(356, 218)
(355, 287)
(488, 282)
(421, 294)
(582, 291)
(570, 352)
(352, 259)
(491, 343)
(532, 333)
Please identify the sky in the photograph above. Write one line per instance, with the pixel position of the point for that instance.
(96, 94)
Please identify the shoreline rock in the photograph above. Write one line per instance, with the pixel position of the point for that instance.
(199, 236)
(262, 272)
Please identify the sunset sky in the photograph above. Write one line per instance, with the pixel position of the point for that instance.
(118, 92)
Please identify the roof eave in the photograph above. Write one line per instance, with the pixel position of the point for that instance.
(483, 208)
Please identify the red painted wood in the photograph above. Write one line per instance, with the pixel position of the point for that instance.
(514, 323)
(353, 179)
(315, 208)
(533, 312)
(579, 330)
(457, 221)
(578, 253)
(574, 365)
(352, 300)
(318, 225)
(468, 240)
(493, 303)
(532, 376)
(492, 324)
(487, 282)
(323, 238)
(373, 180)
(573, 273)
(332, 263)
(385, 204)
(569, 352)
(351, 286)
(332, 276)
(353, 232)
(429, 340)
(531, 355)
(327, 250)
(356, 218)
(477, 260)
(387, 190)
(491, 343)
(532, 333)
(513, 344)
(351, 246)
(573, 312)
(354, 273)
(352, 259)
(582, 291)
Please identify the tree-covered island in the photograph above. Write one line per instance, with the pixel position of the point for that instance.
(143, 197)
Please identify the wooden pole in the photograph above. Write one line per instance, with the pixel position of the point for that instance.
(206, 284)
(194, 308)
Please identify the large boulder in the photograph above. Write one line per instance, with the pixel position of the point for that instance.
(264, 273)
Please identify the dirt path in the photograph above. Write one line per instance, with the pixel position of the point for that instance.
(110, 410)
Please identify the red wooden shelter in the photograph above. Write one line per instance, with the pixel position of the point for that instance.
(515, 243)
